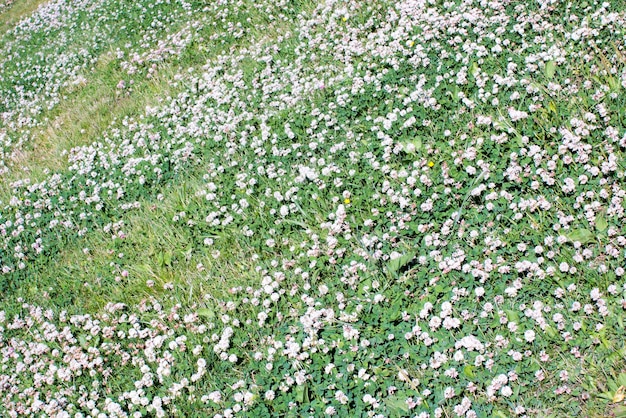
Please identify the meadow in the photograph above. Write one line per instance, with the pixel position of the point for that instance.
(304, 208)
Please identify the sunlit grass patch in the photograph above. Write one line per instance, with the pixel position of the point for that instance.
(143, 257)
(11, 11)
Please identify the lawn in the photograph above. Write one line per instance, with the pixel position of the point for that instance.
(306, 209)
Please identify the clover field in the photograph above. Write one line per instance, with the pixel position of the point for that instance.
(304, 208)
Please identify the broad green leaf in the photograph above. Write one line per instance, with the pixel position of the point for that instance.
(582, 235)
(551, 332)
(468, 371)
(473, 69)
(396, 264)
(550, 69)
(365, 284)
(165, 258)
(302, 394)
(412, 146)
(206, 312)
(512, 316)
(380, 371)
(601, 223)
(438, 290)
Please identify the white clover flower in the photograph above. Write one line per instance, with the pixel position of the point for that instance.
(449, 393)
(341, 397)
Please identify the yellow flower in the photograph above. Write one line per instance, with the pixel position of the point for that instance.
(619, 394)
(346, 201)
(431, 164)
(343, 19)
(411, 43)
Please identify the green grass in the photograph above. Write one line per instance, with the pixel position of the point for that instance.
(16, 11)
(156, 250)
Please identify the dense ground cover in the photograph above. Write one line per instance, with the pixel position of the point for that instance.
(305, 209)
